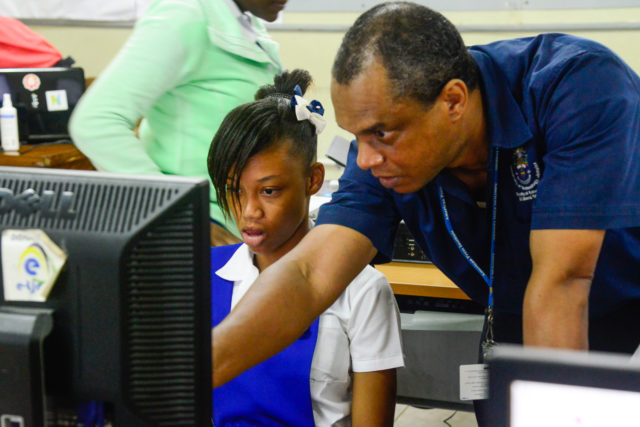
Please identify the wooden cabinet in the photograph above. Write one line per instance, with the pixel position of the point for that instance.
(60, 156)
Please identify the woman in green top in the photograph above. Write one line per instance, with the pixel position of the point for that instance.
(186, 65)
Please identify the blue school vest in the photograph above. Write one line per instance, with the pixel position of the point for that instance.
(275, 392)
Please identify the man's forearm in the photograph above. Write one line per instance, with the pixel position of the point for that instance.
(556, 302)
(263, 323)
(287, 297)
(557, 316)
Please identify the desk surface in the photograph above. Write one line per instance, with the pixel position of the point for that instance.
(407, 278)
(62, 156)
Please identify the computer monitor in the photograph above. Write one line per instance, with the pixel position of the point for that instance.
(545, 387)
(129, 314)
(44, 99)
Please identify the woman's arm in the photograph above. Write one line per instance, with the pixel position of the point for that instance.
(150, 63)
(374, 398)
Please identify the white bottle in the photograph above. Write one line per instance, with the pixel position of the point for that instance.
(9, 125)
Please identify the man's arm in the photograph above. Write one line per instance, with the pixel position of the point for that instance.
(374, 398)
(556, 302)
(287, 297)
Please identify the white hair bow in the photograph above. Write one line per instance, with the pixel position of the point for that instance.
(308, 111)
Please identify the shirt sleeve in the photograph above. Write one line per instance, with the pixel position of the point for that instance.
(150, 63)
(591, 125)
(362, 204)
(374, 326)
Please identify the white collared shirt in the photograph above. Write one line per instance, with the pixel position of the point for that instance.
(244, 18)
(360, 332)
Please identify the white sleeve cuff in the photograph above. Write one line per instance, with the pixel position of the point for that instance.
(396, 361)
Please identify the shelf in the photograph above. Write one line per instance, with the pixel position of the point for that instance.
(62, 156)
(407, 278)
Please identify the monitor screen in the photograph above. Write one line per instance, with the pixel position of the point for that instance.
(545, 387)
(570, 405)
(126, 323)
(44, 99)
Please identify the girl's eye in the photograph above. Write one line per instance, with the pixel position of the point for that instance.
(269, 191)
(381, 134)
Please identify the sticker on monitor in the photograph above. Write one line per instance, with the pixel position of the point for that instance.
(31, 262)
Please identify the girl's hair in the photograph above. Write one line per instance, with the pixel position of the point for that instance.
(251, 128)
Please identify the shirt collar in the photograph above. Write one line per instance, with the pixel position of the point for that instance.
(505, 123)
(237, 266)
(240, 265)
(244, 19)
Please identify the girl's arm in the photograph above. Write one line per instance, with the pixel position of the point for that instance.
(376, 349)
(374, 398)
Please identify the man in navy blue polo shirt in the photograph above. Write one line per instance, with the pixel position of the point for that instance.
(516, 166)
(554, 120)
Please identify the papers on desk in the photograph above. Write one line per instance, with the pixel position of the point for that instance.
(322, 197)
(315, 203)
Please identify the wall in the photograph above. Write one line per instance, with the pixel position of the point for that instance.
(310, 40)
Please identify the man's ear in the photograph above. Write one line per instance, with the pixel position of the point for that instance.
(455, 94)
(315, 179)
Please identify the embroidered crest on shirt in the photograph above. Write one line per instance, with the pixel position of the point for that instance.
(525, 175)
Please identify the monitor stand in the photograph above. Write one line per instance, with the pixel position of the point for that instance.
(22, 395)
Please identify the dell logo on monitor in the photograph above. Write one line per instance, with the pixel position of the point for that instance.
(29, 202)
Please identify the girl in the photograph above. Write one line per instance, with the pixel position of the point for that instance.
(341, 371)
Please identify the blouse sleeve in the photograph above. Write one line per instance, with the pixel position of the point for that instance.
(152, 62)
(374, 325)
(363, 205)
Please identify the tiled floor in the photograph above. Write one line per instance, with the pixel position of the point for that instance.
(409, 416)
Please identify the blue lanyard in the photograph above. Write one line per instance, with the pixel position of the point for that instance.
(447, 221)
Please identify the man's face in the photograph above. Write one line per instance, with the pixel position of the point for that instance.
(265, 9)
(402, 142)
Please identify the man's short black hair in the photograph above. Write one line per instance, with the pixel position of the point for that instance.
(254, 127)
(418, 47)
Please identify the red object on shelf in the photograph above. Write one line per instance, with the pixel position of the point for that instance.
(21, 47)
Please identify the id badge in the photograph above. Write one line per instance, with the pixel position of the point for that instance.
(474, 381)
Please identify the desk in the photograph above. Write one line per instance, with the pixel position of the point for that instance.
(424, 280)
(60, 156)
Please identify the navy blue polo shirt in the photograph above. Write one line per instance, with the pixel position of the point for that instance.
(564, 114)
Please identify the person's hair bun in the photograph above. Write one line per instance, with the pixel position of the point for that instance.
(284, 83)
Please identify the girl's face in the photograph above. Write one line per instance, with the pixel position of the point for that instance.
(272, 205)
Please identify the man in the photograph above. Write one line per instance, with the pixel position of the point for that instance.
(544, 132)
